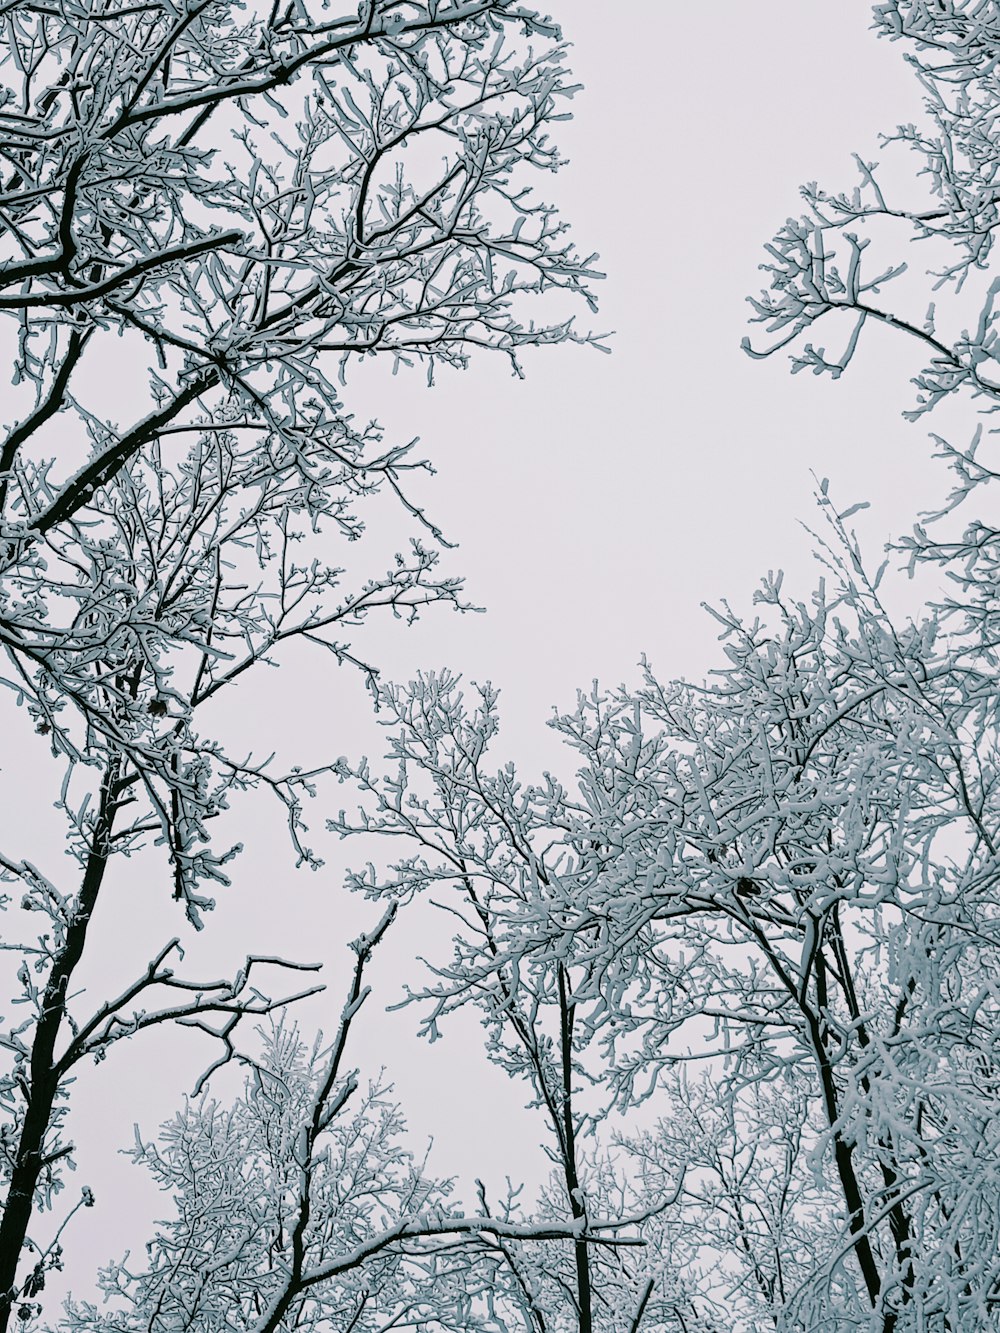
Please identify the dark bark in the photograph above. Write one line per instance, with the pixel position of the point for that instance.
(47, 408)
(43, 1080)
(900, 1224)
(843, 1155)
(581, 1250)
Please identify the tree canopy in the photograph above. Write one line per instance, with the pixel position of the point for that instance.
(744, 965)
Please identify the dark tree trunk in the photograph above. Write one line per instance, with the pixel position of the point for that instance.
(43, 1078)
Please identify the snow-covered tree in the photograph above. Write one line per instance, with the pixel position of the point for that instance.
(537, 1030)
(745, 964)
(206, 211)
(787, 876)
(299, 1206)
(249, 196)
(774, 896)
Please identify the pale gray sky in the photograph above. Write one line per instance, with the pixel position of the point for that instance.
(596, 504)
(601, 500)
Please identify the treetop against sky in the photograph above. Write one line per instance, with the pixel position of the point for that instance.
(729, 965)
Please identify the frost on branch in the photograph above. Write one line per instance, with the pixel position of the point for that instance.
(251, 198)
(931, 199)
(207, 212)
(785, 877)
(298, 1205)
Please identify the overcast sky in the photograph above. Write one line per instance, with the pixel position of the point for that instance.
(597, 503)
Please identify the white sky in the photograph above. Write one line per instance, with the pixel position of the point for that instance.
(596, 504)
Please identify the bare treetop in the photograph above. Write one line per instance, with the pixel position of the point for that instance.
(206, 211)
(259, 196)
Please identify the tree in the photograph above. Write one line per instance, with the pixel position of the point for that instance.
(131, 130)
(488, 833)
(788, 875)
(765, 910)
(238, 202)
(298, 1206)
(954, 217)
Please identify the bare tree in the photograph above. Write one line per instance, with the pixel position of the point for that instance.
(788, 876)
(365, 170)
(236, 201)
(298, 1206)
(936, 187)
(484, 837)
(160, 620)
